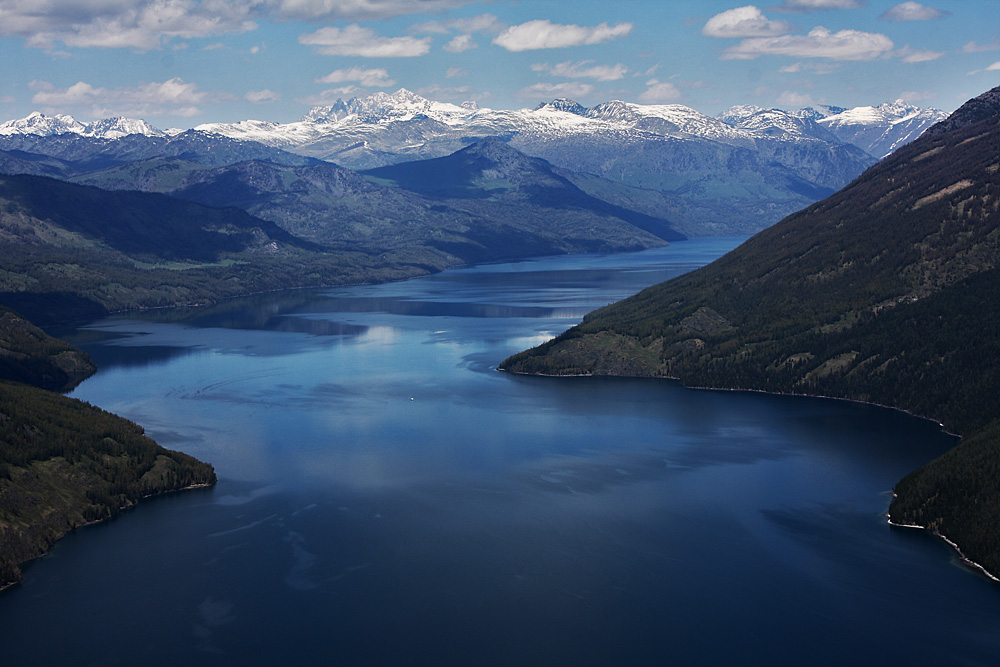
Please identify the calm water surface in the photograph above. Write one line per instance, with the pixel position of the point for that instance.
(387, 498)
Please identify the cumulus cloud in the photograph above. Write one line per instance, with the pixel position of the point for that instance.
(799, 6)
(354, 40)
(542, 34)
(659, 92)
(819, 43)
(460, 44)
(583, 70)
(376, 78)
(135, 24)
(262, 96)
(744, 22)
(173, 97)
(912, 11)
(548, 91)
(150, 24)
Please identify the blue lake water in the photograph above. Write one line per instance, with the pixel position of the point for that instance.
(386, 497)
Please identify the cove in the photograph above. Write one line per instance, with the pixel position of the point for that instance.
(387, 497)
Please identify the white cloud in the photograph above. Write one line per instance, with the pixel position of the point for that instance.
(814, 68)
(455, 72)
(548, 91)
(914, 97)
(150, 24)
(357, 10)
(173, 97)
(583, 70)
(912, 11)
(484, 23)
(328, 97)
(542, 34)
(819, 43)
(792, 99)
(818, 5)
(460, 44)
(456, 94)
(262, 96)
(744, 22)
(659, 92)
(134, 24)
(354, 40)
(909, 55)
(994, 67)
(377, 78)
(975, 47)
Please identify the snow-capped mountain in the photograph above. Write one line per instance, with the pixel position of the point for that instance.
(877, 130)
(385, 129)
(109, 128)
(881, 129)
(42, 125)
(736, 173)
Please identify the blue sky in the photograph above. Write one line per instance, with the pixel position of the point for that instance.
(178, 63)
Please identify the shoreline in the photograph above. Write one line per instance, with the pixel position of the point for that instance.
(965, 560)
(122, 510)
(971, 564)
(672, 378)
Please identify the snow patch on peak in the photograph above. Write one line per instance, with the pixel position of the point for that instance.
(118, 127)
(564, 104)
(737, 114)
(39, 124)
(385, 107)
(110, 128)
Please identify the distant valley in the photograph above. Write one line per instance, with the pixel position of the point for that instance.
(735, 174)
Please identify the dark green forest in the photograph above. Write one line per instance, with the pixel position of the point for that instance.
(886, 292)
(65, 463)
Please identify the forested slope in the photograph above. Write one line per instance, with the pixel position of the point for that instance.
(64, 463)
(888, 291)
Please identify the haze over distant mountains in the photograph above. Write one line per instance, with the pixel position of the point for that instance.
(738, 173)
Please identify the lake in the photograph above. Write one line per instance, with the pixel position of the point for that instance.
(386, 497)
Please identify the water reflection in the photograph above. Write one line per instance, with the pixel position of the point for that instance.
(386, 493)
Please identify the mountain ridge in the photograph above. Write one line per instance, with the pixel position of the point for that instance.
(733, 177)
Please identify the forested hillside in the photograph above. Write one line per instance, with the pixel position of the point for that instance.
(885, 292)
(64, 463)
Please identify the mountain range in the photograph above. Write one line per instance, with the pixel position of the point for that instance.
(170, 231)
(886, 292)
(734, 174)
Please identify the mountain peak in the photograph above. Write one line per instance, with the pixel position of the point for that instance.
(978, 108)
(39, 124)
(564, 104)
(378, 107)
